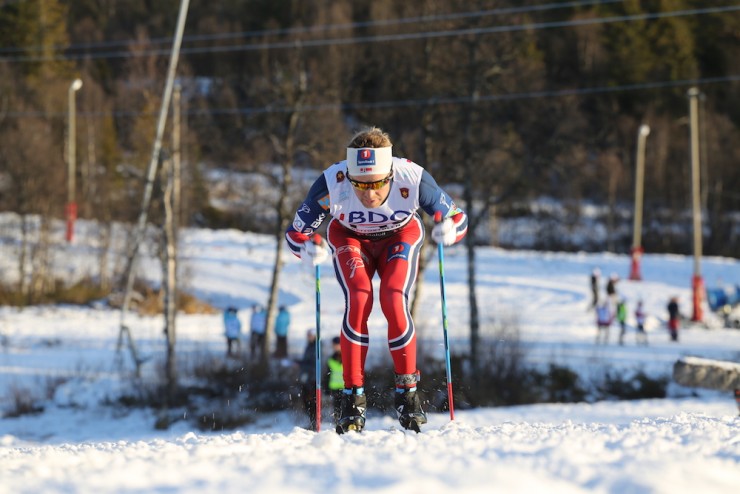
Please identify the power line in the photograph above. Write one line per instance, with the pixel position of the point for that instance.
(427, 102)
(391, 37)
(330, 27)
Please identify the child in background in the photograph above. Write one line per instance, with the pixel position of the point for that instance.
(622, 318)
(640, 317)
(603, 322)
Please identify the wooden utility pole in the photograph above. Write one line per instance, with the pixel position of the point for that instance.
(151, 175)
(697, 282)
(637, 249)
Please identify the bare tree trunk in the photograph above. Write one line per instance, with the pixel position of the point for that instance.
(88, 171)
(41, 277)
(611, 217)
(151, 175)
(427, 151)
(283, 216)
(23, 257)
(286, 154)
(171, 203)
(472, 216)
(170, 277)
(103, 269)
(472, 299)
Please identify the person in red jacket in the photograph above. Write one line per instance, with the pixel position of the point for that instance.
(373, 199)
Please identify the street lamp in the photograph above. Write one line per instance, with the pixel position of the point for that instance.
(697, 283)
(639, 181)
(71, 210)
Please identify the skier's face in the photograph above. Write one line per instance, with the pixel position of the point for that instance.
(372, 190)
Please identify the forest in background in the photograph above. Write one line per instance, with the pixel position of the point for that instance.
(510, 100)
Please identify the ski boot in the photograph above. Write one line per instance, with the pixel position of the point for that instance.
(352, 411)
(407, 402)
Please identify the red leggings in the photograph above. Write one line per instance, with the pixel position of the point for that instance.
(396, 260)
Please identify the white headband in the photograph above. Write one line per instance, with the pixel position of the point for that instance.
(369, 161)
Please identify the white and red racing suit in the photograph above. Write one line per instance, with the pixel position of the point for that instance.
(386, 240)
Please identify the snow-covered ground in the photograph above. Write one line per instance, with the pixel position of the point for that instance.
(687, 443)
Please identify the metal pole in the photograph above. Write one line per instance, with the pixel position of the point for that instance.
(637, 249)
(697, 281)
(71, 209)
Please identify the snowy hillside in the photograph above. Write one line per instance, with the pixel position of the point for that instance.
(79, 445)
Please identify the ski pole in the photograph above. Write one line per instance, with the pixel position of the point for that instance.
(317, 240)
(441, 256)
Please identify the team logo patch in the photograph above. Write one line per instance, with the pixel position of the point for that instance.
(404, 192)
(399, 251)
(340, 176)
(366, 159)
(324, 202)
(318, 221)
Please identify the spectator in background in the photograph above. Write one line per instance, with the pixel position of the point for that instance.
(257, 331)
(603, 323)
(640, 317)
(282, 324)
(595, 281)
(232, 331)
(611, 289)
(622, 319)
(674, 318)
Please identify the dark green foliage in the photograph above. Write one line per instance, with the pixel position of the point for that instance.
(489, 99)
(560, 385)
(632, 386)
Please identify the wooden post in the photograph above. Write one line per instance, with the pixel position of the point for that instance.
(697, 283)
(637, 250)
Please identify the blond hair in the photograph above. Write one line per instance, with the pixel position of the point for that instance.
(371, 137)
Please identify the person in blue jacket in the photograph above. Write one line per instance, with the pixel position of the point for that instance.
(232, 332)
(282, 324)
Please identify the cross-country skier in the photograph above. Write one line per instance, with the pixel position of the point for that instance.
(373, 198)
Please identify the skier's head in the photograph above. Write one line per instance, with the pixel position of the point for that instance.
(311, 334)
(369, 155)
(336, 340)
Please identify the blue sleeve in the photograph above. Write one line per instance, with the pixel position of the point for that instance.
(310, 215)
(432, 198)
